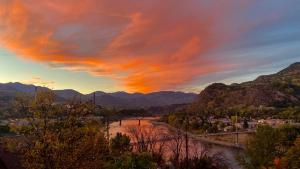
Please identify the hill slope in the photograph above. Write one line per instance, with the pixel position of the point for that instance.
(277, 90)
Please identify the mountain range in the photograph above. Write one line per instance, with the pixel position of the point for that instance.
(281, 89)
(117, 99)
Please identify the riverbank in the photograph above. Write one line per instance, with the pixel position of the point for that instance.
(201, 138)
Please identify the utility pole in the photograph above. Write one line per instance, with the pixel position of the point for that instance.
(35, 93)
(186, 142)
(236, 129)
(107, 127)
(107, 113)
(94, 102)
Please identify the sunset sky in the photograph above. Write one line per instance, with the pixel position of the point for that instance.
(145, 45)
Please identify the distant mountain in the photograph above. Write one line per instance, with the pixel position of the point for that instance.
(67, 94)
(9, 90)
(117, 99)
(138, 100)
(19, 87)
(277, 90)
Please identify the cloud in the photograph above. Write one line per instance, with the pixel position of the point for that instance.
(40, 82)
(145, 45)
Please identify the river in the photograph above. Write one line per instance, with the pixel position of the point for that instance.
(163, 129)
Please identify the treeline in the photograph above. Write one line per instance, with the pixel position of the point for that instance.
(200, 118)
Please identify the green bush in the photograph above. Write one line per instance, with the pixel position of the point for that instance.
(4, 129)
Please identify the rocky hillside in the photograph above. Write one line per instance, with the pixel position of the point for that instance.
(277, 90)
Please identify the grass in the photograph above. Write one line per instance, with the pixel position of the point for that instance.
(232, 138)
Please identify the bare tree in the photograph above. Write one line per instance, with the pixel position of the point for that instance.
(176, 147)
(148, 139)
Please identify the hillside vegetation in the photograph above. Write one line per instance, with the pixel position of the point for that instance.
(277, 90)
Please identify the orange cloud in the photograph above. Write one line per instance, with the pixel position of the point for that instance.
(146, 45)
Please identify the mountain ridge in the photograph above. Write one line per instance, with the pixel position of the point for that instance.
(281, 89)
(118, 99)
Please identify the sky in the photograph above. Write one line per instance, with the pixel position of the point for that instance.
(145, 45)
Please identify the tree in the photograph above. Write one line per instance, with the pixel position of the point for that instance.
(287, 137)
(123, 158)
(245, 124)
(4, 129)
(291, 160)
(269, 145)
(261, 149)
(150, 140)
(204, 161)
(135, 161)
(60, 136)
(291, 113)
(176, 147)
(120, 144)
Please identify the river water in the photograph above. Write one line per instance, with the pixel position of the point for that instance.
(162, 129)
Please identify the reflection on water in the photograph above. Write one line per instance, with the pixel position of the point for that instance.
(130, 123)
(125, 124)
(162, 131)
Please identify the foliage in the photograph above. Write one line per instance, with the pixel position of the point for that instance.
(120, 143)
(290, 113)
(59, 137)
(291, 160)
(135, 161)
(204, 161)
(4, 129)
(67, 136)
(176, 119)
(261, 149)
(210, 128)
(245, 124)
(194, 124)
(268, 146)
(234, 119)
(288, 135)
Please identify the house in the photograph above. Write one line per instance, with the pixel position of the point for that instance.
(228, 129)
(272, 122)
